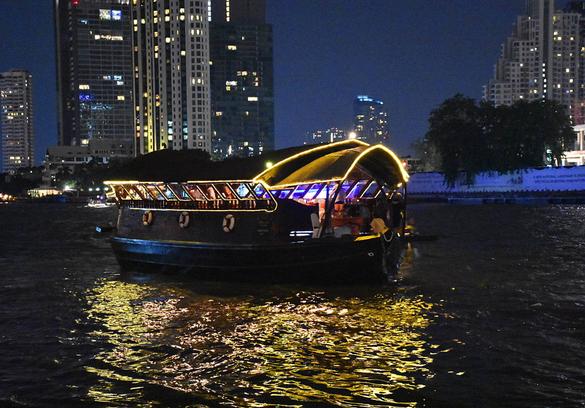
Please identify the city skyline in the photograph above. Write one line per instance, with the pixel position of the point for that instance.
(300, 105)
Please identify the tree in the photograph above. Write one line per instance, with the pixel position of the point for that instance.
(471, 138)
(455, 132)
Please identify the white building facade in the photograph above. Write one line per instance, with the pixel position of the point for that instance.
(576, 156)
(542, 59)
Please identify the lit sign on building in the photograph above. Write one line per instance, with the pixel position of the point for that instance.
(115, 15)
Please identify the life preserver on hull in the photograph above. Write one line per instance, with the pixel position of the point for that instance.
(184, 219)
(147, 218)
(229, 222)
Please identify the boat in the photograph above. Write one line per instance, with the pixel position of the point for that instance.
(333, 212)
(100, 202)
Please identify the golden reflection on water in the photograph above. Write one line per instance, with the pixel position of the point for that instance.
(293, 350)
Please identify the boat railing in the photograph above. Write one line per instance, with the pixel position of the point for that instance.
(193, 195)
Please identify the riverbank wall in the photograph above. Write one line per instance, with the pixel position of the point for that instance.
(549, 185)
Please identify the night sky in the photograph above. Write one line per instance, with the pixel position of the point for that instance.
(412, 54)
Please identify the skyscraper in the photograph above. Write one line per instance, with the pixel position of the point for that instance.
(94, 64)
(242, 90)
(16, 118)
(171, 85)
(542, 59)
(325, 136)
(370, 121)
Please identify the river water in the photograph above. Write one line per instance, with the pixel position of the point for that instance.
(490, 314)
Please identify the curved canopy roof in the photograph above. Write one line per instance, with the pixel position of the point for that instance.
(334, 162)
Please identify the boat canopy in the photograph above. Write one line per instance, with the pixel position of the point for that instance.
(335, 162)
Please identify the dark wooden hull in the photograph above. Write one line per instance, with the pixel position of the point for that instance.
(323, 260)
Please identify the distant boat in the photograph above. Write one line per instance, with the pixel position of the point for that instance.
(100, 203)
(333, 212)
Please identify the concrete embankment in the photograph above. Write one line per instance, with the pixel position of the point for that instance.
(549, 185)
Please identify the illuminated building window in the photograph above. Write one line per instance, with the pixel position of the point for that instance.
(83, 86)
(232, 47)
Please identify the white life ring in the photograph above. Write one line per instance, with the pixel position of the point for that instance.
(229, 222)
(147, 218)
(184, 219)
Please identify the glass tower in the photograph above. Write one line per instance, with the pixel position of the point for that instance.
(94, 68)
(242, 90)
(370, 120)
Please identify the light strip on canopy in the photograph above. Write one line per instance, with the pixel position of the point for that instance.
(305, 152)
(369, 150)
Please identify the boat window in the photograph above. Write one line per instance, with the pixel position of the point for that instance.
(154, 192)
(347, 184)
(357, 189)
(179, 191)
(210, 192)
(327, 191)
(260, 191)
(386, 190)
(313, 191)
(121, 193)
(225, 191)
(242, 190)
(167, 192)
(371, 190)
(132, 193)
(283, 194)
(300, 191)
(194, 191)
(143, 192)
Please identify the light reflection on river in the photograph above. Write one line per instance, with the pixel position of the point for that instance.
(491, 314)
(303, 348)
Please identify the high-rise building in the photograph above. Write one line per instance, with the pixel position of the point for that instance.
(242, 92)
(325, 136)
(94, 64)
(171, 85)
(370, 120)
(543, 58)
(16, 120)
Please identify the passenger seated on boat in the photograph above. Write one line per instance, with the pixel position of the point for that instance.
(378, 226)
(195, 193)
(227, 194)
(211, 193)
